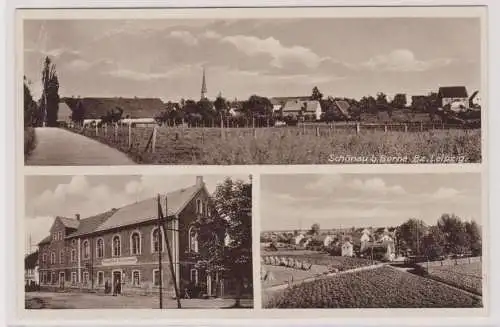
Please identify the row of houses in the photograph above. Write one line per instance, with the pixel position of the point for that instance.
(144, 110)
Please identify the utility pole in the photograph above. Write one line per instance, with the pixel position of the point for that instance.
(169, 251)
(160, 246)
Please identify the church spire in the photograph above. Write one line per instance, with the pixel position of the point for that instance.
(203, 86)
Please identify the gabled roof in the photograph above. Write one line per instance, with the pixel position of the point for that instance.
(64, 112)
(45, 240)
(90, 224)
(95, 108)
(69, 222)
(31, 260)
(148, 209)
(453, 92)
(283, 100)
(297, 105)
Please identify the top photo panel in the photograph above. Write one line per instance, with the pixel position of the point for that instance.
(296, 86)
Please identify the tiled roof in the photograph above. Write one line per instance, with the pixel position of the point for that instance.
(90, 224)
(95, 108)
(45, 240)
(64, 112)
(148, 209)
(297, 105)
(69, 222)
(343, 107)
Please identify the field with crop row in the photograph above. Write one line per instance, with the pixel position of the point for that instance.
(287, 145)
(464, 276)
(383, 287)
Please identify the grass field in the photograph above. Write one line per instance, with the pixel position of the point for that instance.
(464, 276)
(282, 274)
(324, 259)
(383, 287)
(290, 145)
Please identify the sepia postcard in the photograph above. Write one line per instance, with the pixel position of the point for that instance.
(371, 241)
(254, 86)
(138, 242)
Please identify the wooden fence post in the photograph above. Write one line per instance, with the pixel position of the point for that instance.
(358, 128)
(254, 133)
(116, 132)
(406, 128)
(153, 143)
(96, 130)
(317, 131)
(385, 128)
(129, 135)
(303, 128)
(106, 130)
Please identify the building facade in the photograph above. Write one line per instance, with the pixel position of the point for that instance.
(123, 246)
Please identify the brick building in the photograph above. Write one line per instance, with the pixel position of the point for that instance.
(124, 244)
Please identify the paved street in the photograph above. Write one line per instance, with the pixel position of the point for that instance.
(50, 300)
(59, 147)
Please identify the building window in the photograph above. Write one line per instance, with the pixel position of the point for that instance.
(61, 256)
(59, 236)
(52, 258)
(100, 248)
(73, 278)
(194, 275)
(53, 278)
(73, 255)
(73, 242)
(86, 249)
(199, 206)
(135, 243)
(209, 214)
(100, 278)
(117, 248)
(156, 277)
(136, 278)
(44, 258)
(157, 241)
(193, 240)
(85, 277)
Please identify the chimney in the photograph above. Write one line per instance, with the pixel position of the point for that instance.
(77, 216)
(199, 181)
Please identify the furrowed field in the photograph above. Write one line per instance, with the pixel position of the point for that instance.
(464, 276)
(293, 145)
(383, 287)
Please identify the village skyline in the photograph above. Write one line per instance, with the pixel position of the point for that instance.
(244, 57)
(344, 201)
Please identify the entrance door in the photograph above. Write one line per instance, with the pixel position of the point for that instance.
(61, 279)
(117, 281)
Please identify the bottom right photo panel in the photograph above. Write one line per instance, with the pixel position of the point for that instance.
(372, 240)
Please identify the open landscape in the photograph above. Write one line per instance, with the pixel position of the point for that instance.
(374, 257)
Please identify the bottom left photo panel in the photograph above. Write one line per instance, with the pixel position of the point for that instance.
(138, 242)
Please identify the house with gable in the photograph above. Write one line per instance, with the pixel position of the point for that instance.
(124, 246)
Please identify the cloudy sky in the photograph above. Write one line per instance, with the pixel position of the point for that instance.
(274, 57)
(290, 202)
(51, 196)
